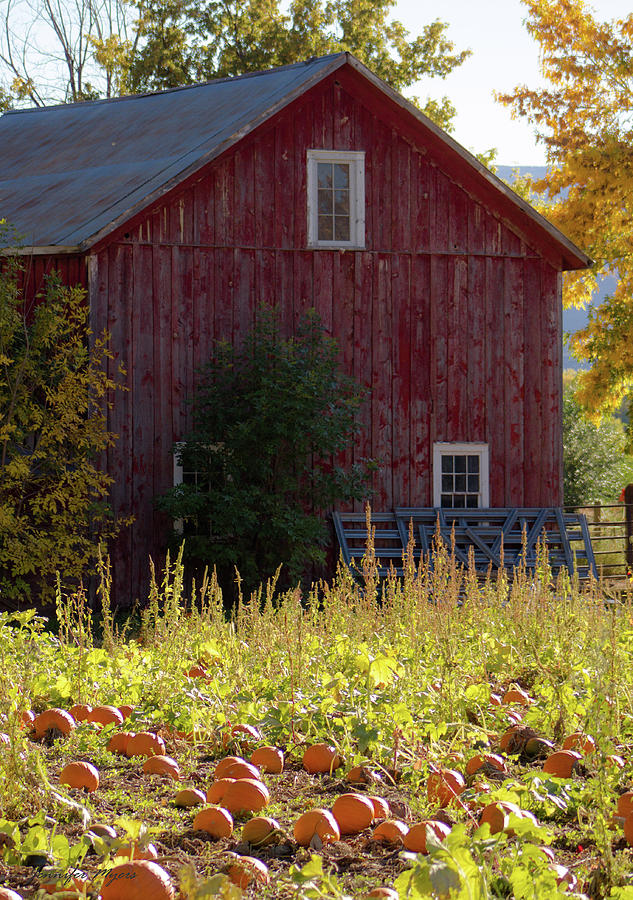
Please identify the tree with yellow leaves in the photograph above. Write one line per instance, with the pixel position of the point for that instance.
(54, 393)
(585, 120)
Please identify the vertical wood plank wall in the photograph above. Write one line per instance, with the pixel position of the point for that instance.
(447, 316)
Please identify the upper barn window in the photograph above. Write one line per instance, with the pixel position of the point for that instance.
(336, 198)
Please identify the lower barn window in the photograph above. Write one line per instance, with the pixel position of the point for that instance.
(460, 475)
(185, 472)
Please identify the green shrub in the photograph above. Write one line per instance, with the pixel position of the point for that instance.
(271, 419)
(595, 467)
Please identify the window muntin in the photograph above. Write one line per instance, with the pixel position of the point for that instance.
(460, 475)
(336, 198)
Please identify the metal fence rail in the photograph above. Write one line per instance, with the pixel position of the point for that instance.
(611, 530)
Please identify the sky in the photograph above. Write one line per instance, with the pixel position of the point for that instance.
(503, 56)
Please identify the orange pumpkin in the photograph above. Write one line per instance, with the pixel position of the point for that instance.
(80, 712)
(497, 815)
(353, 812)
(82, 775)
(381, 808)
(321, 758)
(145, 743)
(218, 789)
(627, 827)
(126, 710)
(260, 830)
(584, 743)
(316, 822)
(8, 894)
(562, 763)
(105, 715)
(444, 787)
(215, 820)
(358, 775)
(162, 765)
(135, 850)
(242, 770)
(189, 797)
(507, 737)
(247, 871)
(516, 695)
(225, 764)
(385, 892)
(246, 731)
(391, 831)
(482, 760)
(415, 838)
(137, 880)
(197, 672)
(268, 759)
(27, 718)
(625, 804)
(246, 795)
(118, 742)
(72, 881)
(53, 720)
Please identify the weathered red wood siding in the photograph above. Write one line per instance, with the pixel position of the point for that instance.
(71, 268)
(448, 315)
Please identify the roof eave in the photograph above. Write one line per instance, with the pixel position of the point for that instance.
(43, 250)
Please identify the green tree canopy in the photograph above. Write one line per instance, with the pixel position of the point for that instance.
(184, 42)
(595, 467)
(108, 47)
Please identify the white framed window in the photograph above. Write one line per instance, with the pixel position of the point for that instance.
(187, 475)
(460, 475)
(336, 198)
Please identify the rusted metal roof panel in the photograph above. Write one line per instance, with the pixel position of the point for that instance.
(69, 171)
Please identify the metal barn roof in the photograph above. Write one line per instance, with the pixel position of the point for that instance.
(68, 171)
(72, 173)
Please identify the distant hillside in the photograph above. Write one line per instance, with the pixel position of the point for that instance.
(573, 319)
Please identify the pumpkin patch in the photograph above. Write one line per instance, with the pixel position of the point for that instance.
(349, 746)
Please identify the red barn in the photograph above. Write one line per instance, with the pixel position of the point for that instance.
(312, 185)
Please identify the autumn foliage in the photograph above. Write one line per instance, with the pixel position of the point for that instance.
(584, 119)
(54, 393)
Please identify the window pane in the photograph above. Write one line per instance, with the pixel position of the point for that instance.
(325, 203)
(447, 483)
(472, 501)
(460, 482)
(459, 501)
(460, 463)
(473, 464)
(473, 484)
(341, 203)
(341, 175)
(447, 463)
(324, 175)
(341, 228)
(325, 228)
(446, 500)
